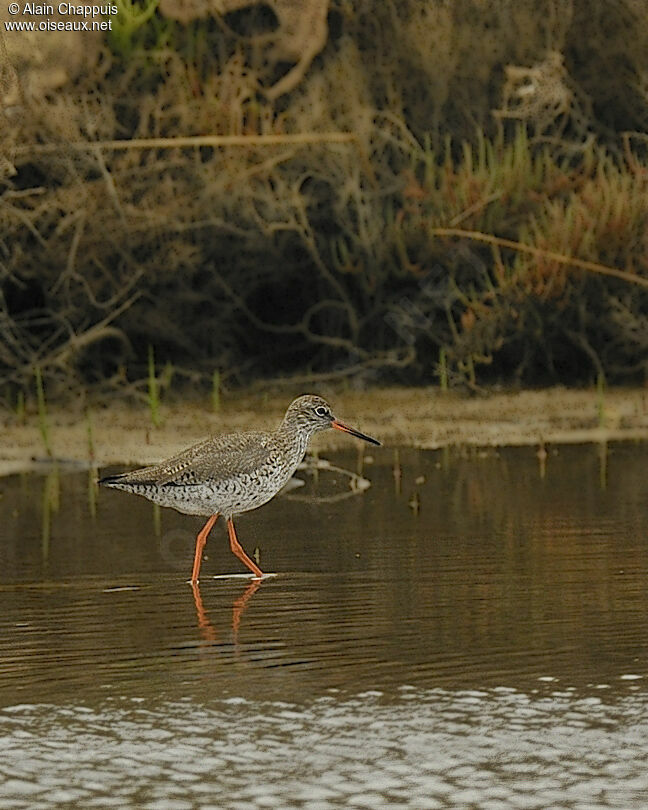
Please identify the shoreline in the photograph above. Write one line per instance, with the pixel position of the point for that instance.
(422, 418)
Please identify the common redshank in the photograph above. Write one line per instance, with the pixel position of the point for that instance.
(234, 473)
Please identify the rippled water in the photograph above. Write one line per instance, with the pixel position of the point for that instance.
(469, 632)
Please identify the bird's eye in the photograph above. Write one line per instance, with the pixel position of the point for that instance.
(321, 411)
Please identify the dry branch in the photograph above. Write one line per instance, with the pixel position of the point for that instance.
(592, 267)
(219, 141)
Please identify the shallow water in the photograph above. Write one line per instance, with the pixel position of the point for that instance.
(471, 632)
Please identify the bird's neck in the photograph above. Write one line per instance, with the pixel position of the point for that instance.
(295, 437)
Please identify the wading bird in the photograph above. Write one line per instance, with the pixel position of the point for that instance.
(234, 473)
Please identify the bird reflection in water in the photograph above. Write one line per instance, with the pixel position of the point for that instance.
(207, 629)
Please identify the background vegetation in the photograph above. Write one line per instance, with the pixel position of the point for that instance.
(482, 217)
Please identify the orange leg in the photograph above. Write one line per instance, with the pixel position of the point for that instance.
(200, 545)
(238, 550)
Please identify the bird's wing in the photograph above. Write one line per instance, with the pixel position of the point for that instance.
(216, 458)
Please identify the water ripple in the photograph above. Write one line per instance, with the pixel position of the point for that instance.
(416, 749)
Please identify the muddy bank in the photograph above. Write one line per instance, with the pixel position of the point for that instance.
(421, 417)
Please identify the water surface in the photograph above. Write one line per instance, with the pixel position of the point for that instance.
(468, 632)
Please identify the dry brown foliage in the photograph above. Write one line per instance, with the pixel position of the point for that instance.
(179, 195)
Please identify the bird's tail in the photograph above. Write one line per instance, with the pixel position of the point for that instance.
(112, 480)
(131, 481)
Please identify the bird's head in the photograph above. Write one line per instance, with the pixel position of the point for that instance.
(311, 413)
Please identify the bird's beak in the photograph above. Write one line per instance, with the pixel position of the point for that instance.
(346, 429)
